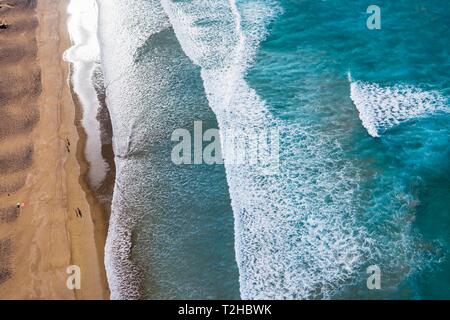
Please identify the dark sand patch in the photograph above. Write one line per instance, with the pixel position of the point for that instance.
(16, 26)
(20, 87)
(17, 160)
(22, 4)
(12, 184)
(15, 53)
(11, 124)
(5, 259)
(15, 86)
(20, 104)
(9, 214)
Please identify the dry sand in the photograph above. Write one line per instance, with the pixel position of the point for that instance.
(38, 167)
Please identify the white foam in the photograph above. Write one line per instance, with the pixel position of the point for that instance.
(381, 108)
(122, 30)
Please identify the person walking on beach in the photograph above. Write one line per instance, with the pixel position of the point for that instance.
(79, 213)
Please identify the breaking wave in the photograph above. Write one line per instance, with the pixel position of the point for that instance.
(381, 108)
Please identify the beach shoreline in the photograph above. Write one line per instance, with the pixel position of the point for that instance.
(62, 222)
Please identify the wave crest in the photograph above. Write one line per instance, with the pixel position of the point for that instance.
(381, 108)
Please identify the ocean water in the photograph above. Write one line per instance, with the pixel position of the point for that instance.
(363, 123)
(171, 230)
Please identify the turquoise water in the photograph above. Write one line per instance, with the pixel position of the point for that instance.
(363, 122)
(301, 71)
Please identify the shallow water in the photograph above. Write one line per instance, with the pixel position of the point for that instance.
(173, 222)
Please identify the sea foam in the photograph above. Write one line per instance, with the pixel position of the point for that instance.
(120, 32)
(381, 108)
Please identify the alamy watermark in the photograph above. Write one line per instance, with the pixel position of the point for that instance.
(258, 148)
(374, 280)
(374, 20)
(74, 278)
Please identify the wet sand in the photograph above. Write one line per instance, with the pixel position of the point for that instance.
(42, 163)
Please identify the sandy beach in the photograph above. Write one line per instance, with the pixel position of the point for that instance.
(60, 222)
